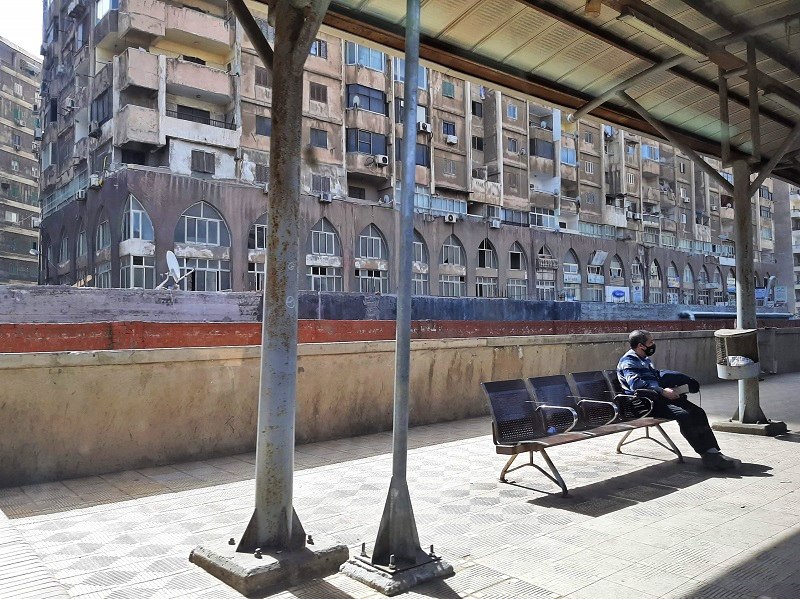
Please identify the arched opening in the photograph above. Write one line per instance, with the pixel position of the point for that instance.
(572, 277)
(420, 267)
(673, 284)
(656, 295)
(102, 242)
(324, 257)
(688, 285)
(546, 268)
(517, 285)
(137, 260)
(452, 268)
(257, 254)
(372, 261)
(703, 297)
(205, 247)
(486, 273)
(595, 279)
(637, 281)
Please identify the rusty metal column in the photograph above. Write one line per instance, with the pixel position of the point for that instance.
(397, 541)
(749, 409)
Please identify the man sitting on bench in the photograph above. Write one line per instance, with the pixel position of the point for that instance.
(635, 371)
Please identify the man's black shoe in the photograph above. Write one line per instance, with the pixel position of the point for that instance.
(719, 461)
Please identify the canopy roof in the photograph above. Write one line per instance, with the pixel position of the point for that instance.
(568, 52)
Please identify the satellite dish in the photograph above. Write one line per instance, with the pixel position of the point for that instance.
(172, 265)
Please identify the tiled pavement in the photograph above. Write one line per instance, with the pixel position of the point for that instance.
(636, 526)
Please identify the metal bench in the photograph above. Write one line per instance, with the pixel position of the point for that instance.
(531, 417)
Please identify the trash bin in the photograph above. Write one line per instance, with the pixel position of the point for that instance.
(737, 353)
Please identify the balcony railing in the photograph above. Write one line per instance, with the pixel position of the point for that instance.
(202, 120)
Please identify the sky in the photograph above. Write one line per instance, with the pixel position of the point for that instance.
(21, 23)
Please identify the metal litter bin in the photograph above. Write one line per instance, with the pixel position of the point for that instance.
(737, 342)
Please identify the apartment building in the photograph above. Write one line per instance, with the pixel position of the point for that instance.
(19, 165)
(156, 137)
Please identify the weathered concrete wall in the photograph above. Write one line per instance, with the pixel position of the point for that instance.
(77, 414)
(25, 304)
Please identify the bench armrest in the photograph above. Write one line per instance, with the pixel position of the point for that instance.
(557, 418)
(606, 404)
(635, 406)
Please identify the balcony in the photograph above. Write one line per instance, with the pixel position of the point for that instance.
(142, 19)
(615, 216)
(201, 130)
(187, 26)
(137, 68)
(136, 124)
(651, 167)
(569, 172)
(485, 191)
(651, 219)
(365, 165)
(542, 165)
(193, 80)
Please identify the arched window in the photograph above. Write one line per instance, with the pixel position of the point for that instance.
(688, 285)
(637, 281)
(324, 257)
(419, 268)
(102, 237)
(546, 268)
(81, 253)
(201, 228)
(673, 284)
(702, 287)
(81, 247)
(63, 252)
(517, 285)
(595, 279)
(486, 280)
(452, 268)
(137, 268)
(616, 271)
(730, 284)
(136, 223)
(257, 254)
(572, 277)
(102, 241)
(372, 262)
(656, 295)
(719, 292)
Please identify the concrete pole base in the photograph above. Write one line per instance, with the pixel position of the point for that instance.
(767, 429)
(397, 582)
(274, 570)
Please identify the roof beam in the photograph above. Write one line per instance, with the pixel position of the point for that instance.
(253, 31)
(766, 171)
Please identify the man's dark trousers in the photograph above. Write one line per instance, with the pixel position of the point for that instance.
(691, 419)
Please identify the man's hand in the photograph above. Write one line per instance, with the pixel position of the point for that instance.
(669, 393)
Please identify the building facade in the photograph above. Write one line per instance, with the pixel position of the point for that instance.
(19, 164)
(156, 137)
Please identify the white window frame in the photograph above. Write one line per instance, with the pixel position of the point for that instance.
(451, 285)
(142, 268)
(371, 245)
(325, 278)
(517, 289)
(102, 238)
(512, 112)
(588, 167)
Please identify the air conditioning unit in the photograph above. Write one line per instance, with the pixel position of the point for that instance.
(532, 187)
(452, 139)
(19, 121)
(95, 182)
(523, 152)
(479, 173)
(714, 208)
(495, 223)
(37, 134)
(69, 104)
(76, 9)
(382, 159)
(95, 130)
(423, 127)
(36, 222)
(637, 216)
(325, 197)
(628, 214)
(450, 218)
(80, 195)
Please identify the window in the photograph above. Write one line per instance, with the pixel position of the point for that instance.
(63, 254)
(630, 178)
(201, 224)
(486, 287)
(636, 271)
(449, 167)
(656, 293)
(546, 275)
(448, 128)
(17, 89)
(400, 73)
(588, 137)
(136, 223)
(572, 277)
(208, 275)
(325, 278)
(263, 126)
(81, 248)
(513, 145)
(102, 279)
(319, 48)
(320, 184)
(511, 112)
(682, 167)
(419, 283)
(356, 54)
(451, 286)
(517, 289)
(14, 165)
(487, 258)
(371, 244)
(319, 138)
(543, 217)
(372, 280)
(650, 153)
(101, 108)
(318, 92)
(615, 268)
(102, 8)
(366, 98)
(399, 114)
(190, 113)
(568, 156)
(359, 193)
(324, 246)
(588, 167)
(516, 258)
(423, 155)
(477, 143)
(137, 272)
(452, 252)
(477, 109)
(102, 238)
(263, 78)
(16, 140)
(542, 148)
(366, 142)
(448, 89)
(203, 162)
(262, 173)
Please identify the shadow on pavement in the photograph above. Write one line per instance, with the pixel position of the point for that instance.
(607, 496)
(790, 437)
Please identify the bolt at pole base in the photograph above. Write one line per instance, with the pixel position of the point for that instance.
(399, 581)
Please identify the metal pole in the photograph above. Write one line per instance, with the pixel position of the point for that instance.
(397, 534)
(749, 409)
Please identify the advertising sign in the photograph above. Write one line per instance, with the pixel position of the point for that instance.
(637, 294)
(617, 295)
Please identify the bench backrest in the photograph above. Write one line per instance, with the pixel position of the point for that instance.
(613, 381)
(515, 417)
(591, 385)
(552, 391)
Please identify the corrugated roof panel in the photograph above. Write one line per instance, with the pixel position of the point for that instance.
(549, 42)
(474, 25)
(439, 14)
(515, 33)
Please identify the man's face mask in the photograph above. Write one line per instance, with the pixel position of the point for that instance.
(649, 350)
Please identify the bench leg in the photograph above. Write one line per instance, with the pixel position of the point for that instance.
(555, 476)
(671, 447)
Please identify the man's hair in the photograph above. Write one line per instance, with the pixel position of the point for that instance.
(636, 337)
